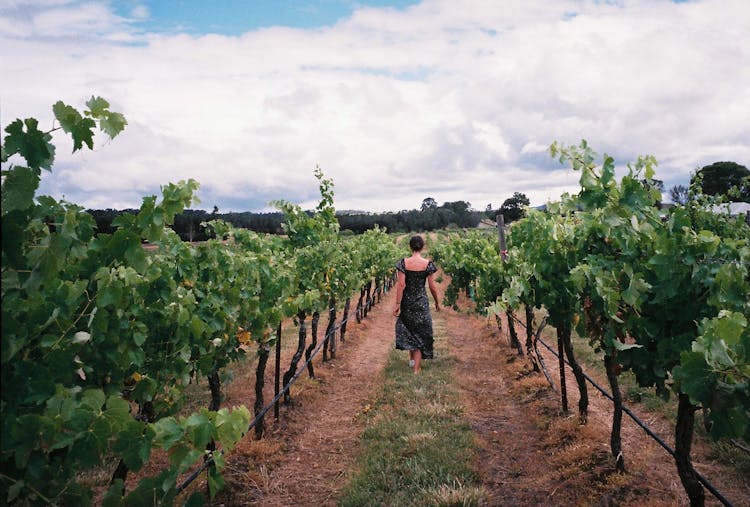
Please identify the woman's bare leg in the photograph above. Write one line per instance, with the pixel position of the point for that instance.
(417, 360)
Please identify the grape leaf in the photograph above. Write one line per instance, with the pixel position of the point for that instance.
(68, 116)
(83, 132)
(132, 446)
(33, 144)
(18, 189)
(97, 107)
(112, 124)
(113, 496)
(168, 432)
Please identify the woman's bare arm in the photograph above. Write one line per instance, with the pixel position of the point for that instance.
(400, 284)
(433, 289)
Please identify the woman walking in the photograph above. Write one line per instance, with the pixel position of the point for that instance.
(414, 322)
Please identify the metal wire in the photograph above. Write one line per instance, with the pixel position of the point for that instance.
(644, 426)
(210, 459)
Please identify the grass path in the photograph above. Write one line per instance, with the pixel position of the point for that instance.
(417, 446)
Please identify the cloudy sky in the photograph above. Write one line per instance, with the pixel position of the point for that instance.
(395, 100)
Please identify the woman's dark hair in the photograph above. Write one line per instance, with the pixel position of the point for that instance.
(416, 243)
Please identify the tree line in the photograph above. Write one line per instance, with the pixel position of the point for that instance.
(428, 217)
(721, 178)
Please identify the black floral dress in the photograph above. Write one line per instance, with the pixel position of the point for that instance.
(414, 323)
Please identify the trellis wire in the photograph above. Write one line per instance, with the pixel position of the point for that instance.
(210, 460)
(710, 487)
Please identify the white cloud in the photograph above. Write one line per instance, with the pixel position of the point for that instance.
(454, 102)
(140, 12)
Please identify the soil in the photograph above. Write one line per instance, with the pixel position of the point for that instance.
(527, 451)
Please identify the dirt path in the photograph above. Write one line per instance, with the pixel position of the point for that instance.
(308, 455)
(509, 446)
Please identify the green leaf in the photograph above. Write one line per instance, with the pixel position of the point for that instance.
(136, 257)
(93, 398)
(694, 377)
(85, 450)
(183, 456)
(113, 124)
(133, 445)
(232, 425)
(152, 491)
(33, 144)
(83, 132)
(200, 428)
(113, 496)
(637, 288)
(195, 500)
(68, 116)
(97, 107)
(215, 482)
(197, 326)
(18, 189)
(117, 409)
(145, 389)
(167, 432)
(650, 163)
(608, 170)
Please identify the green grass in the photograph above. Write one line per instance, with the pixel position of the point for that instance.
(417, 447)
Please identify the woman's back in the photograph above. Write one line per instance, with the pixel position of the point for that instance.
(416, 263)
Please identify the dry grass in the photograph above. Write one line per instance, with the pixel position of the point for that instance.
(456, 495)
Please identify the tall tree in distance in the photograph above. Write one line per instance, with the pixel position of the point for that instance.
(718, 178)
(428, 203)
(679, 194)
(513, 207)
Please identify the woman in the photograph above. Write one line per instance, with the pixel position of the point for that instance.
(414, 323)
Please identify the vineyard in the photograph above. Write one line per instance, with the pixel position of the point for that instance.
(666, 298)
(101, 336)
(105, 335)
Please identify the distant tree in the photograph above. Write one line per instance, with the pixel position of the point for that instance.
(679, 194)
(463, 215)
(718, 178)
(513, 207)
(458, 207)
(105, 217)
(188, 225)
(489, 212)
(428, 203)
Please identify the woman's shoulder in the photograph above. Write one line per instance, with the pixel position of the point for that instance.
(401, 265)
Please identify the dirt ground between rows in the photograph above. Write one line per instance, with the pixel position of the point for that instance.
(307, 456)
(528, 453)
